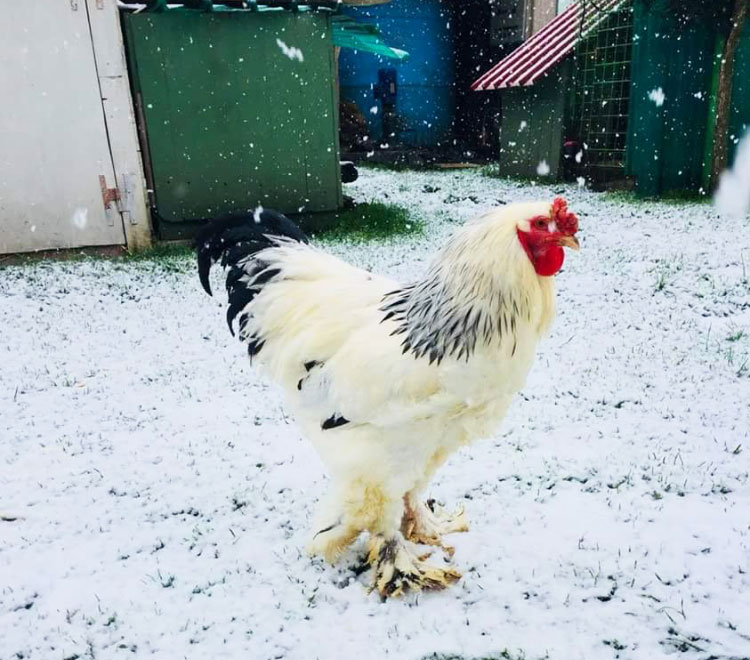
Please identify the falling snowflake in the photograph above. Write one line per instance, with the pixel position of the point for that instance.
(542, 169)
(290, 51)
(733, 195)
(657, 96)
(581, 182)
(522, 126)
(256, 214)
(579, 156)
(374, 110)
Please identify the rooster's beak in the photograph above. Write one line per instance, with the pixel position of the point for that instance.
(569, 241)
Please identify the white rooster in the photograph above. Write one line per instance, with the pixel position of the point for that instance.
(388, 380)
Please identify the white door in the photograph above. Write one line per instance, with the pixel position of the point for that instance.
(53, 139)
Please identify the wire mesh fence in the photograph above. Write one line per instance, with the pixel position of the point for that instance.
(602, 94)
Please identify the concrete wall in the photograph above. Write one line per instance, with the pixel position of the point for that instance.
(67, 121)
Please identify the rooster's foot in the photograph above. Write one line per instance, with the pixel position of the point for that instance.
(426, 523)
(398, 570)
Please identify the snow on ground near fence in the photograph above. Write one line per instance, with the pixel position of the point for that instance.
(157, 497)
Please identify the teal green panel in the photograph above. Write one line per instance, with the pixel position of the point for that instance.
(739, 122)
(665, 143)
(686, 113)
(232, 120)
(644, 121)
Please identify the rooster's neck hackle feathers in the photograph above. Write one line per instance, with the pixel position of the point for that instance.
(477, 293)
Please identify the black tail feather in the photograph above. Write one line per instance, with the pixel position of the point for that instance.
(237, 301)
(234, 238)
(233, 242)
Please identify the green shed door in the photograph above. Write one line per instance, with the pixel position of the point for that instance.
(666, 141)
(236, 118)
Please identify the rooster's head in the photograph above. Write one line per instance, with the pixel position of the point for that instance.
(544, 236)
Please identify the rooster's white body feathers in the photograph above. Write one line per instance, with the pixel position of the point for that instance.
(387, 381)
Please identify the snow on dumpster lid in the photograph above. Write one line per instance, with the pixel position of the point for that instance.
(538, 54)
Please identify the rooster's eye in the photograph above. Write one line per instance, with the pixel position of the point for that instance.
(540, 223)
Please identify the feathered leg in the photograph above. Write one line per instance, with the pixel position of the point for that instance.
(427, 522)
(396, 565)
(364, 506)
(397, 568)
(334, 529)
(349, 509)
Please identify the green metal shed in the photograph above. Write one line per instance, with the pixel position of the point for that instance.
(670, 94)
(640, 96)
(237, 109)
(669, 143)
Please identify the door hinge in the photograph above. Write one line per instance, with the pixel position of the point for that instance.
(74, 5)
(122, 196)
(109, 195)
(100, 4)
(125, 203)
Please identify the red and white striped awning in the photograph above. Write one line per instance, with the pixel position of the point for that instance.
(538, 54)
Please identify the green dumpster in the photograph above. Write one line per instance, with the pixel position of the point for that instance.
(237, 109)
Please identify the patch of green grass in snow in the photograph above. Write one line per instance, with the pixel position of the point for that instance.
(370, 221)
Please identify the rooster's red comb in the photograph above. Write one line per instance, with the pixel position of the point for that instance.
(567, 222)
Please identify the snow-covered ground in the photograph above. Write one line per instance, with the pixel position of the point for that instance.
(156, 497)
